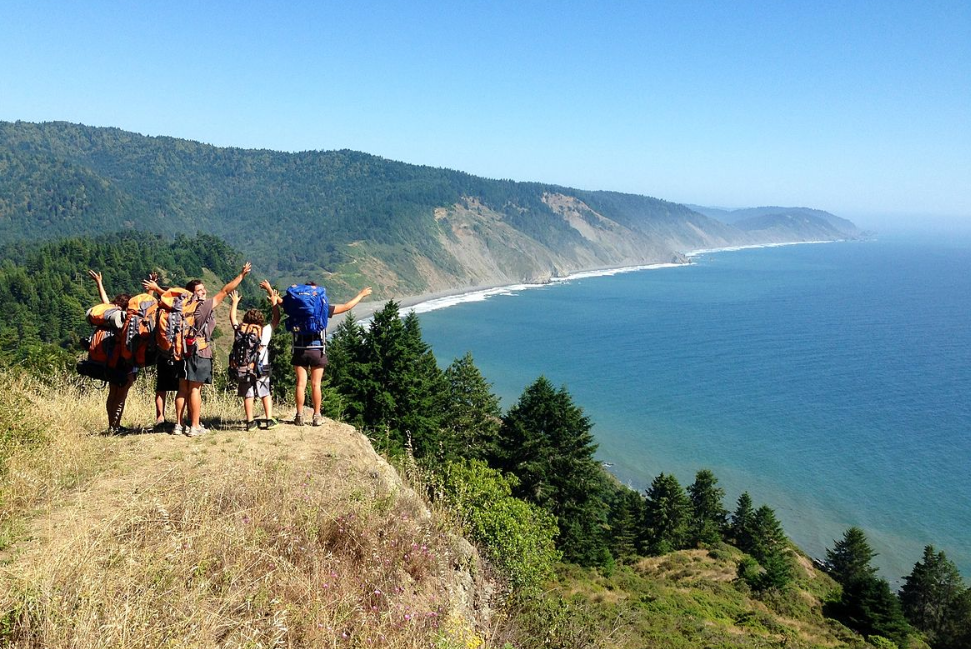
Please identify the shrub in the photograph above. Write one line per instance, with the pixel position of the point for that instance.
(516, 536)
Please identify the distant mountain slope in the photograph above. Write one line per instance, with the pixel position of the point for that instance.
(800, 219)
(348, 217)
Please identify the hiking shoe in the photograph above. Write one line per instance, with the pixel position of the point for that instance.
(298, 419)
(271, 423)
(192, 431)
(252, 424)
(176, 430)
(318, 420)
(159, 426)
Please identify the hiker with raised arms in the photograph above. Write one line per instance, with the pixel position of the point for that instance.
(166, 377)
(307, 314)
(121, 377)
(194, 346)
(249, 360)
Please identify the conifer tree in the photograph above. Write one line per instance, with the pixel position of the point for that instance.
(931, 596)
(545, 441)
(347, 369)
(870, 607)
(867, 604)
(403, 385)
(708, 515)
(473, 414)
(768, 538)
(626, 508)
(424, 396)
(667, 513)
(741, 527)
(849, 560)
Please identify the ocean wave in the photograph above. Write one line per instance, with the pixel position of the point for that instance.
(705, 251)
(513, 289)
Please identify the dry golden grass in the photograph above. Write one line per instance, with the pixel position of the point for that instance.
(296, 537)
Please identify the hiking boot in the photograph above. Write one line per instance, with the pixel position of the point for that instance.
(176, 430)
(271, 423)
(318, 420)
(298, 419)
(252, 424)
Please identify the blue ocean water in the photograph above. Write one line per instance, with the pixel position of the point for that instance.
(830, 381)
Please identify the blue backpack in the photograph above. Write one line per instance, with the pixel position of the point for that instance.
(306, 309)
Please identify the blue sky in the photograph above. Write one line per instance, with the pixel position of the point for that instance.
(859, 108)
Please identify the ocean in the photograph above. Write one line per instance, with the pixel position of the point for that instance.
(830, 381)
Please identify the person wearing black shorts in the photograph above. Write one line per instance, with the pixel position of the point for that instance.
(166, 380)
(310, 358)
(196, 370)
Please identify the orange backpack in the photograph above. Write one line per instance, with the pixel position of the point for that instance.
(138, 333)
(102, 315)
(175, 331)
(104, 361)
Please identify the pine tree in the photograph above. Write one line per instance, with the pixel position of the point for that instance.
(849, 560)
(768, 537)
(401, 391)
(741, 527)
(626, 507)
(473, 414)
(930, 595)
(867, 604)
(545, 441)
(423, 396)
(667, 512)
(870, 607)
(708, 515)
(347, 369)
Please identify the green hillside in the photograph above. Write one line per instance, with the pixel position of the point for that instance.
(402, 227)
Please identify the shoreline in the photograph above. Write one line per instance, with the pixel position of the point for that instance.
(435, 300)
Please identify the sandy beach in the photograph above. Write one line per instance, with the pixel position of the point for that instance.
(449, 297)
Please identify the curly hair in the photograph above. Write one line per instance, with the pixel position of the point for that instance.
(254, 316)
(121, 300)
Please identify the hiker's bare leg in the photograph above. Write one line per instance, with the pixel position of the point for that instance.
(248, 408)
(160, 407)
(195, 402)
(180, 401)
(268, 406)
(316, 376)
(301, 387)
(115, 405)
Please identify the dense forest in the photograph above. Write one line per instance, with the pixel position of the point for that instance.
(313, 214)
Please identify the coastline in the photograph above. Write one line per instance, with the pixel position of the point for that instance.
(432, 301)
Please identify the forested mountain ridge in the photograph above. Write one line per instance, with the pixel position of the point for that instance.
(349, 217)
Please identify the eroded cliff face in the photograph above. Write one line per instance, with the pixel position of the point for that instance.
(487, 250)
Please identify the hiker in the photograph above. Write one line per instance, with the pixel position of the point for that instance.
(166, 376)
(254, 378)
(196, 369)
(309, 349)
(120, 381)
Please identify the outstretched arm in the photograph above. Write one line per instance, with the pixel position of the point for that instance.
(234, 296)
(231, 286)
(101, 287)
(151, 284)
(275, 299)
(347, 306)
